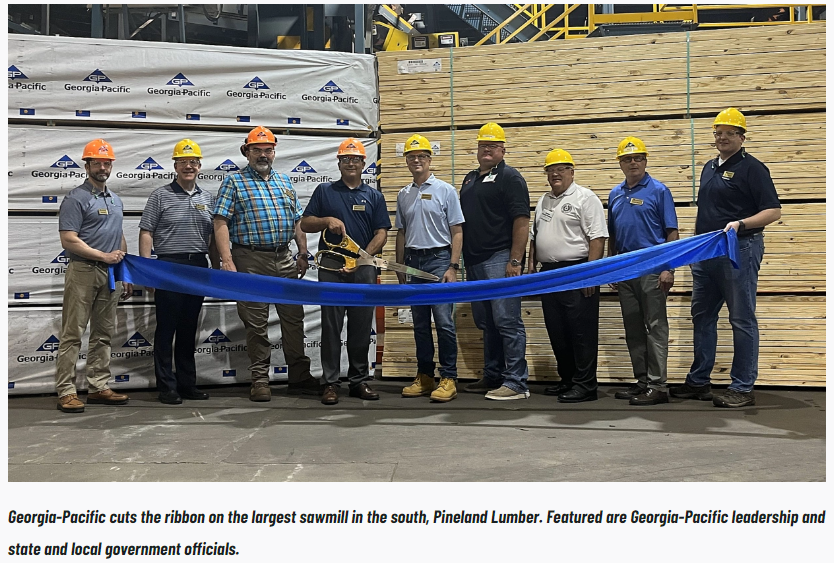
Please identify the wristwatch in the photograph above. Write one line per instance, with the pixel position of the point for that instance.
(455, 266)
(741, 226)
(515, 262)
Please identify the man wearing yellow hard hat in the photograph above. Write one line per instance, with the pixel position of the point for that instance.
(430, 238)
(569, 229)
(350, 207)
(496, 207)
(641, 214)
(736, 193)
(177, 225)
(90, 226)
(255, 219)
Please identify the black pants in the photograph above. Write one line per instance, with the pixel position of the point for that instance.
(572, 322)
(177, 315)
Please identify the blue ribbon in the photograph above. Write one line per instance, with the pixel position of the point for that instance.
(235, 286)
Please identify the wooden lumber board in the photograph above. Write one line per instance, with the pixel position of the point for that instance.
(792, 350)
(792, 146)
(794, 259)
(612, 77)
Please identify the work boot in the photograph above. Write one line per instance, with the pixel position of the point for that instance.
(107, 397)
(70, 403)
(687, 391)
(446, 391)
(734, 399)
(259, 392)
(423, 385)
(481, 386)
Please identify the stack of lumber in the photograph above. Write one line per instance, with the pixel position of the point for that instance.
(585, 96)
(792, 146)
(609, 78)
(792, 351)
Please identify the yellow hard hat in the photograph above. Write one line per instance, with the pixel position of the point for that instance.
(492, 132)
(187, 149)
(731, 116)
(417, 143)
(558, 156)
(631, 145)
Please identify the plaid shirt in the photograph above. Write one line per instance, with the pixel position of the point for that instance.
(260, 213)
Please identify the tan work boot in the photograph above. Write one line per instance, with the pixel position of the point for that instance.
(259, 392)
(107, 397)
(423, 385)
(446, 391)
(70, 403)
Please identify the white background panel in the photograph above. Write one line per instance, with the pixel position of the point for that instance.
(221, 348)
(45, 162)
(56, 77)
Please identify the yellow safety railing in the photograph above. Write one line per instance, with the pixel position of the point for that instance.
(537, 15)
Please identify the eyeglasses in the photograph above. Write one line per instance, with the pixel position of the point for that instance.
(192, 163)
(729, 134)
(490, 147)
(95, 163)
(258, 152)
(351, 159)
(558, 169)
(416, 157)
(633, 158)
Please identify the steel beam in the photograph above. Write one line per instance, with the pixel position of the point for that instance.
(501, 13)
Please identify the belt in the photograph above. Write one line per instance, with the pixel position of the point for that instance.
(275, 249)
(425, 251)
(748, 235)
(90, 262)
(184, 256)
(564, 264)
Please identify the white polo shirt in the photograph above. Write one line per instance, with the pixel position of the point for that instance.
(564, 225)
(427, 212)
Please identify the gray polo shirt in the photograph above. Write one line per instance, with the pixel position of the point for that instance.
(427, 212)
(96, 217)
(180, 222)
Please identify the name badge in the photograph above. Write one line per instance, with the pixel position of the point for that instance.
(729, 175)
(425, 196)
(489, 178)
(359, 208)
(103, 211)
(547, 215)
(635, 201)
(200, 207)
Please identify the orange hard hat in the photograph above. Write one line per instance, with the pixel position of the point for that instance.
(98, 149)
(259, 134)
(352, 147)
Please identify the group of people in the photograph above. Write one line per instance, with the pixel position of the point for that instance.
(249, 225)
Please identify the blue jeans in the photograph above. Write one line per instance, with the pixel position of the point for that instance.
(505, 341)
(715, 281)
(435, 263)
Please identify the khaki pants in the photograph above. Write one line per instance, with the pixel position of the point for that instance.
(255, 317)
(87, 299)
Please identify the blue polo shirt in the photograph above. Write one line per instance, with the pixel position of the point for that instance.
(738, 189)
(639, 217)
(361, 209)
(427, 213)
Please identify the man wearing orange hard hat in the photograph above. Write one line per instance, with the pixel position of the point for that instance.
(90, 226)
(255, 219)
(736, 193)
(350, 207)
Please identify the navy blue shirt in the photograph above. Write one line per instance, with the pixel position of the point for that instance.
(639, 217)
(739, 188)
(489, 209)
(362, 209)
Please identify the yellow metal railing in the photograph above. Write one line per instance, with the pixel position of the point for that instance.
(553, 18)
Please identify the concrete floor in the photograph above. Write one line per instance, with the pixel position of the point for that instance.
(229, 438)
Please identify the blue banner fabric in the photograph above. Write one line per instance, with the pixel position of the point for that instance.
(235, 286)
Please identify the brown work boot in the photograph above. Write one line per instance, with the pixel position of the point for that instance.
(259, 392)
(70, 403)
(107, 397)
